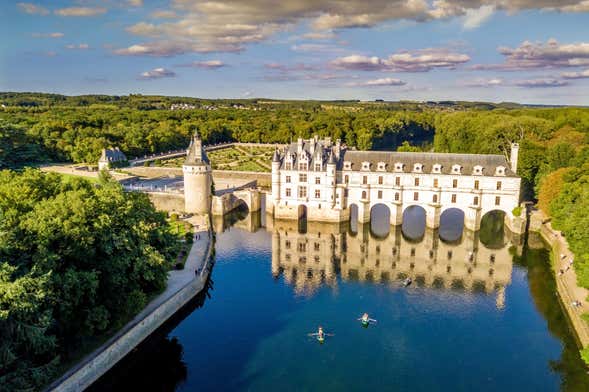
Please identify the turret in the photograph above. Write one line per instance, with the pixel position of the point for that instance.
(197, 178)
(513, 156)
(330, 186)
(276, 161)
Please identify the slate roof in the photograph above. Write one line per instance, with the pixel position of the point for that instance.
(196, 155)
(112, 155)
(428, 159)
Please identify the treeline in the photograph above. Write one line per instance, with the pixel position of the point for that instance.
(76, 261)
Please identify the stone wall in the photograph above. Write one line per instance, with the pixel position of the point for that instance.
(169, 202)
(101, 360)
(263, 179)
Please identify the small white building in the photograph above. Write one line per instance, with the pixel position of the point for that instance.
(324, 181)
(110, 158)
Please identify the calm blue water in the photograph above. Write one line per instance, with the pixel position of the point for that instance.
(462, 325)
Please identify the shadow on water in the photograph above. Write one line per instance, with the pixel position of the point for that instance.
(451, 225)
(542, 286)
(413, 226)
(157, 364)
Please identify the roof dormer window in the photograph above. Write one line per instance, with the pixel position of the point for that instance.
(456, 169)
(365, 165)
(477, 170)
(381, 166)
(418, 168)
(437, 168)
(399, 167)
(347, 165)
(500, 171)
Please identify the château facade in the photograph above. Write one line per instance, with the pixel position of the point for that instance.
(324, 181)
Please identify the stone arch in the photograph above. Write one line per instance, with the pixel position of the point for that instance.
(492, 231)
(451, 224)
(380, 218)
(414, 222)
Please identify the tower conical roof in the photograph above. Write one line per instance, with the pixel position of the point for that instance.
(196, 154)
(276, 156)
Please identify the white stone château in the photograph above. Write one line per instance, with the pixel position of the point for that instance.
(197, 178)
(324, 181)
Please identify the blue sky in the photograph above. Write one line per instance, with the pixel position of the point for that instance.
(531, 51)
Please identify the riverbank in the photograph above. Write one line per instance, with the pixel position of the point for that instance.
(574, 298)
(182, 286)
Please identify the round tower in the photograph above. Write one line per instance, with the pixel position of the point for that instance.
(330, 186)
(197, 178)
(276, 177)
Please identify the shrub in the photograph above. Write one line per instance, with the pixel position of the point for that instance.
(517, 211)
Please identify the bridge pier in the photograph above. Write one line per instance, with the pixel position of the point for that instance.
(396, 209)
(472, 218)
(432, 215)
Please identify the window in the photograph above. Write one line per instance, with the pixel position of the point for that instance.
(497, 200)
(345, 193)
(380, 180)
(416, 181)
(316, 246)
(436, 183)
(288, 166)
(302, 191)
(397, 196)
(498, 185)
(454, 183)
(380, 194)
(437, 168)
(317, 194)
(302, 177)
(287, 244)
(435, 199)
(347, 165)
(347, 179)
(454, 198)
(397, 181)
(475, 201)
(288, 179)
(415, 196)
(364, 180)
(303, 166)
(317, 167)
(287, 192)
(317, 180)
(365, 165)
(476, 184)
(364, 194)
(302, 247)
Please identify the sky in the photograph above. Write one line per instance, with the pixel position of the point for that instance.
(527, 51)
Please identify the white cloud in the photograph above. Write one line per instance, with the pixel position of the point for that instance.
(540, 83)
(379, 82)
(231, 25)
(405, 61)
(33, 9)
(48, 35)
(80, 11)
(207, 64)
(157, 73)
(164, 14)
(474, 18)
(576, 75)
(491, 82)
(551, 54)
(78, 46)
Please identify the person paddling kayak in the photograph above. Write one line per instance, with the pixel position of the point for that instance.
(320, 334)
(366, 320)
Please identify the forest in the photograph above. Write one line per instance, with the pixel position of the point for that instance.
(115, 246)
(77, 261)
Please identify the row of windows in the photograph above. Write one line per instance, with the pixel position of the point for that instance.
(302, 178)
(475, 200)
(416, 182)
(302, 166)
(302, 246)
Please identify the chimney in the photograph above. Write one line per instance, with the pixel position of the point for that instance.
(513, 156)
(299, 145)
(338, 148)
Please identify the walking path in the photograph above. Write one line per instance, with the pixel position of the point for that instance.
(574, 298)
(182, 286)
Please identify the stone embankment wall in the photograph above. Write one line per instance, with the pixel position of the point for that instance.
(264, 180)
(566, 283)
(105, 357)
(170, 202)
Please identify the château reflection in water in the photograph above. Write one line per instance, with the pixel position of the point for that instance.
(316, 256)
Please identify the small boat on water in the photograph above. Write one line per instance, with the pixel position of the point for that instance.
(407, 282)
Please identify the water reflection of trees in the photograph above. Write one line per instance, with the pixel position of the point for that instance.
(157, 364)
